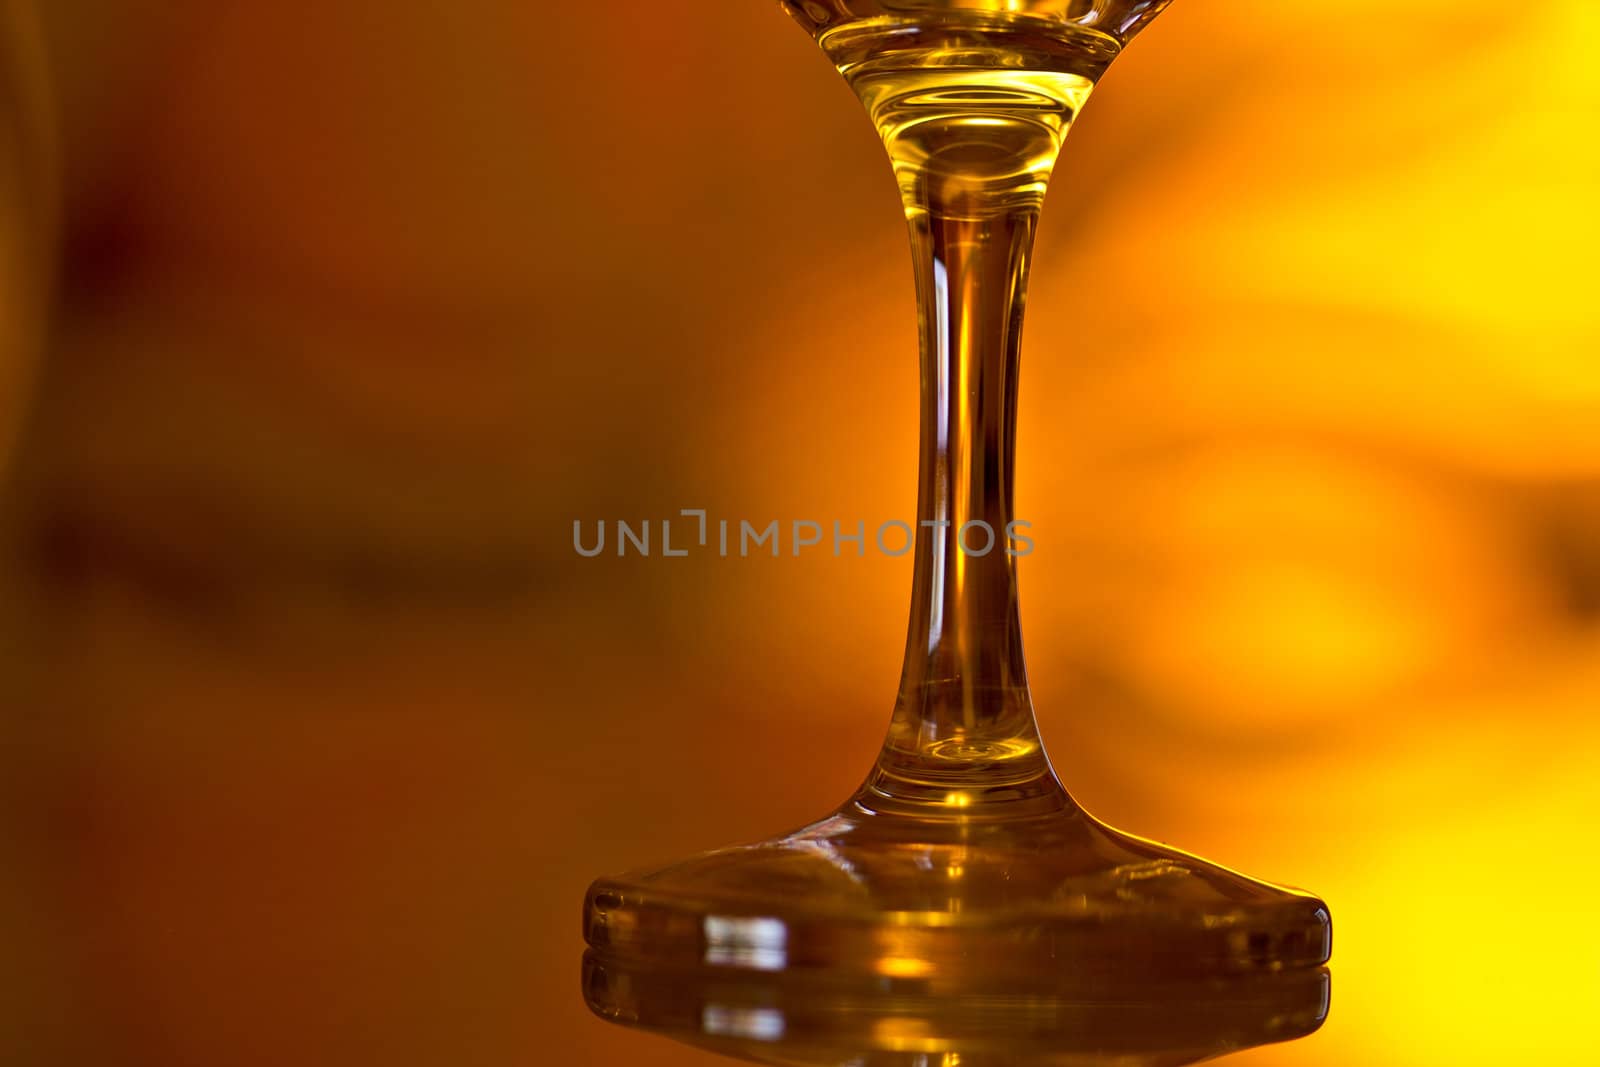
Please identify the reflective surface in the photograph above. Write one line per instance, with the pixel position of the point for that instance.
(790, 1018)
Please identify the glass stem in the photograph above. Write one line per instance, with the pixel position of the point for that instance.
(964, 728)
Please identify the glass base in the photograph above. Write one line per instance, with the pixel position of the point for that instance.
(980, 892)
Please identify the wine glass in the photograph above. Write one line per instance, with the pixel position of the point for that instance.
(961, 864)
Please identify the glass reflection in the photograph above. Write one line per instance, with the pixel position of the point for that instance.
(825, 1020)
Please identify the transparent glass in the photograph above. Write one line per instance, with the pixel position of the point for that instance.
(961, 867)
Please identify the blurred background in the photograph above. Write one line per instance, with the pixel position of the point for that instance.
(316, 727)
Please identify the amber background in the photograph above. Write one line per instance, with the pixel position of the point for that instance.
(317, 727)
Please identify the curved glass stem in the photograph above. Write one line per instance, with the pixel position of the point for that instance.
(973, 152)
(964, 687)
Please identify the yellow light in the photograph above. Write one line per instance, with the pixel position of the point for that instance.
(904, 967)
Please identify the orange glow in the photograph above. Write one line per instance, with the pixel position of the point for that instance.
(904, 967)
(324, 727)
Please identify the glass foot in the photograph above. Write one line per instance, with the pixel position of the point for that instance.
(974, 892)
